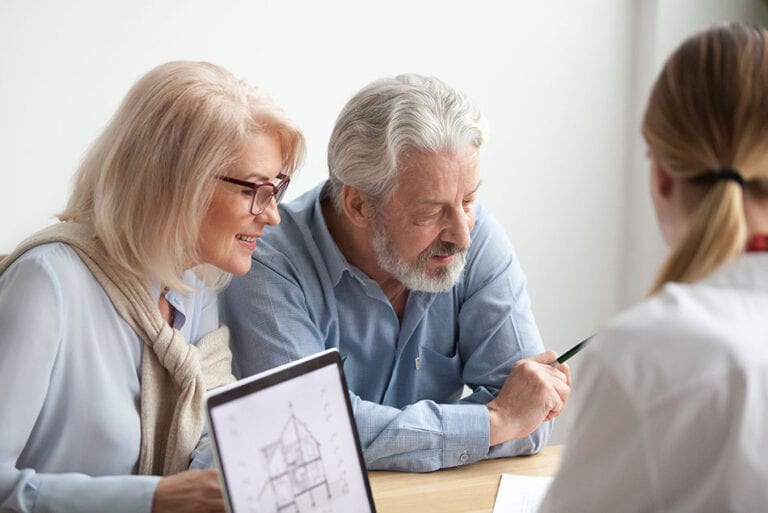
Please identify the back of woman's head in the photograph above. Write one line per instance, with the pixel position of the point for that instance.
(708, 113)
(146, 182)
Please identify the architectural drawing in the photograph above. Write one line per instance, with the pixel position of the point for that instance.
(298, 482)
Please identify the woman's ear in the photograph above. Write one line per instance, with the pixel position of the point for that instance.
(356, 206)
(671, 202)
(662, 183)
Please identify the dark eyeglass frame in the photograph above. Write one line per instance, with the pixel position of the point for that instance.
(278, 190)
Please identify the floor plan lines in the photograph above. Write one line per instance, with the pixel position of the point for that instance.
(298, 481)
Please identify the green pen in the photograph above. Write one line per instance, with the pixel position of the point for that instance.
(572, 351)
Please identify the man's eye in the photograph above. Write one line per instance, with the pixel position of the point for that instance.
(246, 192)
(427, 217)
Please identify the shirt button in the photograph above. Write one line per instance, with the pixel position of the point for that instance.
(418, 363)
(464, 456)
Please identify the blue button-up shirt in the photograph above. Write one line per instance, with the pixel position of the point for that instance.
(405, 378)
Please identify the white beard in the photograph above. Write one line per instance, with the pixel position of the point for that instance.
(416, 276)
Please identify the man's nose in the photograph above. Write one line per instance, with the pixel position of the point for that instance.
(458, 229)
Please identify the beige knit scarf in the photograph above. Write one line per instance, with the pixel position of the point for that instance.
(174, 373)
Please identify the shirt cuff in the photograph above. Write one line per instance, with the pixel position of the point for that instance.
(202, 456)
(466, 428)
(84, 494)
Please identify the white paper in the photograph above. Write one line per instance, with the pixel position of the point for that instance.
(520, 494)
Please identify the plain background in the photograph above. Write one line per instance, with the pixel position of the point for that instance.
(563, 84)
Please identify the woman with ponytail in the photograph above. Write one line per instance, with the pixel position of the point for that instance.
(672, 409)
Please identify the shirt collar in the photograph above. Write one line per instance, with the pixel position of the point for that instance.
(176, 300)
(336, 262)
(748, 271)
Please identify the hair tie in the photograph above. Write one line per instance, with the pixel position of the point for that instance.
(710, 177)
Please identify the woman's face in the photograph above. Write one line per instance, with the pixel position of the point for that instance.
(229, 231)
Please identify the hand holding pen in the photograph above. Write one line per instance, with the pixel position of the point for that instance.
(532, 393)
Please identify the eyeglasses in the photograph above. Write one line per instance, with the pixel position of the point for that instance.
(262, 192)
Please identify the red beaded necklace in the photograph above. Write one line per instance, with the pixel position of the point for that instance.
(758, 242)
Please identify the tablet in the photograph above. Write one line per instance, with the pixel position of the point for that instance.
(285, 441)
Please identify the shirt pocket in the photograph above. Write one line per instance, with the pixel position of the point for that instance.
(439, 376)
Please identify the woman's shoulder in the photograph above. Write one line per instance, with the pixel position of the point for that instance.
(687, 309)
(52, 259)
(48, 281)
(677, 336)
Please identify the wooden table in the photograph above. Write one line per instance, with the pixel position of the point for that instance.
(468, 489)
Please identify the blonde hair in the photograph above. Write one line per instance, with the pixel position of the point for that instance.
(147, 181)
(708, 112)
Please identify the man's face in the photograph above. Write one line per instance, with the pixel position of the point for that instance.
(421, 234)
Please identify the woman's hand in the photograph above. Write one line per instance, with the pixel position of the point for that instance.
(191, 491)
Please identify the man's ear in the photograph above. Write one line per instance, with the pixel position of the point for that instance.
(356, 206)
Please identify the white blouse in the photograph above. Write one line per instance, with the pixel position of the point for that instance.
(671, 403)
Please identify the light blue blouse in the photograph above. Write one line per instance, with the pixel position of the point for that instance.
(70, 379)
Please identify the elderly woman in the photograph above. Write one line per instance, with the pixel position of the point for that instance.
(671, 412)
(109, 331)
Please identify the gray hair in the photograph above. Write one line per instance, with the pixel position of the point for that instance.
(389, 117)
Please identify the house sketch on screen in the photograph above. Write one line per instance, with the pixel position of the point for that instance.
(297, 482)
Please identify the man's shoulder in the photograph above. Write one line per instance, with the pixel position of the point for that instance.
(296, 249)
(487, 229)
(490, 248)
(297, 224)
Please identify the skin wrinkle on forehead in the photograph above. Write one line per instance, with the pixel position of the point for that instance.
(408, 161)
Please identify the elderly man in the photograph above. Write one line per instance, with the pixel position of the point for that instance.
(393, 262)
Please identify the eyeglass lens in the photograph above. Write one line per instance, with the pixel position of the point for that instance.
(261, 198)
(263, 195)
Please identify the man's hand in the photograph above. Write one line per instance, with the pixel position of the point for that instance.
(191, 491)
(533, 392)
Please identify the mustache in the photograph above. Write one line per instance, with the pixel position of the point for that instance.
(443, 249)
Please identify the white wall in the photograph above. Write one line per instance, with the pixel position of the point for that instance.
(561, 83)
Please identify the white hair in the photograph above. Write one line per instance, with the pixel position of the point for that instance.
(389, 117)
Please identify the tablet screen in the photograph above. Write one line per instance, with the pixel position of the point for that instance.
(290, 446)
